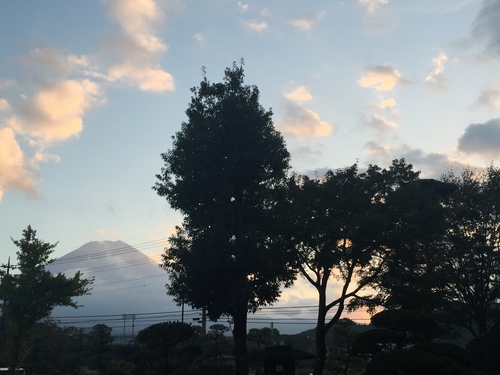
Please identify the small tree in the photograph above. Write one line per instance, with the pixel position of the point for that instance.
(100, 338)
(264, 335)
(168, 347)
(99, 342)
(54, 349)
(216, 334)
(403, 343)
(31, 294)
(340, 354)
(224, 173)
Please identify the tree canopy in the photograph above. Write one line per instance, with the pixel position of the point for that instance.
(421, 247)
(30, 294)
(334, 226)
(473, 262)
(224, 173)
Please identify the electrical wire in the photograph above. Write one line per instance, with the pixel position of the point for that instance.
(288, 315)
(112, 252)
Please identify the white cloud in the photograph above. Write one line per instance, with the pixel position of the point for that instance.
(54, 108)
(201, 39)
(380, 123)
(139, 45)
(43, 156)
(432, 165)
(50, 59)
(301, 291)
(138, 19)
(387, 104)
(309, 21)
(265, 12)
(435, 80)
(256, 25)
(380, 78)
(55, 112)
(146, 78)
(243, 7)
(373, 147)
(489, 98)
(301, 122)
(371, 6)
(4, 105)
(299, 95)
(107, 233)
(16, 173)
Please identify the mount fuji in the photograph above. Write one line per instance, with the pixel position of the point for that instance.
(128, 290)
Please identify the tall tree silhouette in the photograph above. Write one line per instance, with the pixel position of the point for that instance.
(224, 174)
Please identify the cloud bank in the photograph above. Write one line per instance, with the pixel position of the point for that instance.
(486, 28)
(51, 107)
(481, 139)
(489, 98)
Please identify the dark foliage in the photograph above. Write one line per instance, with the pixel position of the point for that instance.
(412, 362)
(485, 350)
(224, 174)
(169, 348)
(334, 225)
(473, 263)
(31, 294)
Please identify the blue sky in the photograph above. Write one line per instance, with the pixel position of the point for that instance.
(92, 91)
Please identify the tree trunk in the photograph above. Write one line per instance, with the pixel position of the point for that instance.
(349, 356)
(319, 365)
(482, 325)
(240, 342)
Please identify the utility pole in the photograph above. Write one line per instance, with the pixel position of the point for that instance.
(129, 316)
(124, 317)
(204, 320)
(8, 266)
(133, 326)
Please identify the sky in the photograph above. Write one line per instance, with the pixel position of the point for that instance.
(91, 93)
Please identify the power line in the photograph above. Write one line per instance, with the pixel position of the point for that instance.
(129, 280)
(146, 319)
(289, 313)
(113, 252)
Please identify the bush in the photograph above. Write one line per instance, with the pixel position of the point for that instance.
(212, 369)
(411, 362)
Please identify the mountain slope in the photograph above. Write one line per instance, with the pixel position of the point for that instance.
(126, 282)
